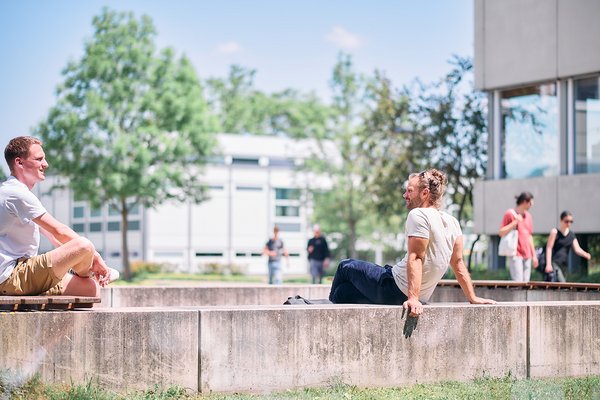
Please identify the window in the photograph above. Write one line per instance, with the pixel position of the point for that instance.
(96, 227)
(168, 254)
(587, 125)
(244, 161)
(529, 132)
(281, 162)
(114, 226)
(112, 210)
(79, 228)
(134, 209)
(78, 211)
(287, 194)
(288, 227)
(287, 211)
(249, 188)
(133, 226)
(209, 254)
(96, 212)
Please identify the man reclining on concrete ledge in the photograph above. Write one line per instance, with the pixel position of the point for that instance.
(22, 217)
(434, 242)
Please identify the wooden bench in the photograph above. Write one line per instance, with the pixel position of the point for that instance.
(43, 303)
(576, 286)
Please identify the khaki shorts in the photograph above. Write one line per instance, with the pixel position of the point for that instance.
(32, 276)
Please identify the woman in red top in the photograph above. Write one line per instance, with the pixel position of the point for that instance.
(520, 219)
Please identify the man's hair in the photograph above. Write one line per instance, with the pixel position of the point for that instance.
(434, 180)
(523, 197)
(19, 147)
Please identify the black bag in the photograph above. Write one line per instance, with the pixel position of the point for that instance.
(297, 299)
(541, 256)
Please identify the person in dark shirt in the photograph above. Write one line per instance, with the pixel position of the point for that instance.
(274, 248)
(318, 255)
(559, 243)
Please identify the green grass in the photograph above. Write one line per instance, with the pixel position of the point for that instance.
(486, 388)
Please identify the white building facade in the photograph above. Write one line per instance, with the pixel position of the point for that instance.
(253, 185)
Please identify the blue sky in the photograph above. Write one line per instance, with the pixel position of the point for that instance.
(290, 43)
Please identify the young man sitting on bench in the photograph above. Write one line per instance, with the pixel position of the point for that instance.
(22, 217)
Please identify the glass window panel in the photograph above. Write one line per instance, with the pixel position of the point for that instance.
(530, 132)
(134, 209)
(133, 226)
(587, 125)
(96, 227)
(79, 228)
(287, 211)
(112, 210)
(287, 194)
(114, 226)
(96, 212)
(78, 211)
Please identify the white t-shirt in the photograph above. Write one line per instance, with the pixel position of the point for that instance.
(442, 230)
(19, 235)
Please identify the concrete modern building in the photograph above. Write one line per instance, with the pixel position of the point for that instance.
(253, 185)
(539, 62)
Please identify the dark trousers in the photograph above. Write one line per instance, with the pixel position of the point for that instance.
(361, 282)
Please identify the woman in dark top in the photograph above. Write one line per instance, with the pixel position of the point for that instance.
(559, 243)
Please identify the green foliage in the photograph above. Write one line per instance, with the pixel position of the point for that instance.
(216, 268)
(241, 108)
(130, 125)
(143, 268)
(2, 175)
(451, 129)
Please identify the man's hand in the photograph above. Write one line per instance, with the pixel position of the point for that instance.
(481, 300)
(548, 269)
(100, 270)
(414, 306)
(325, 263)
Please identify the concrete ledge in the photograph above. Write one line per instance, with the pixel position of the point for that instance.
(233, 295)
(207, 295)
(269, 348)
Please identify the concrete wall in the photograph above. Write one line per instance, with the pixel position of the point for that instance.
(576, 193)
(272, 348)
(527, 41)
(122, 349)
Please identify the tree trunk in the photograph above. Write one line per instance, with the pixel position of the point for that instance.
(124, 244)
(471, 253)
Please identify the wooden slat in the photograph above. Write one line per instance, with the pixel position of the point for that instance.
(532, 285)
(42, 303)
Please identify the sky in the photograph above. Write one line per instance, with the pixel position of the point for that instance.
(290, 44)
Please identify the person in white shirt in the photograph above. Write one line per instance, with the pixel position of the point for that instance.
(23, 217)
(435, 242)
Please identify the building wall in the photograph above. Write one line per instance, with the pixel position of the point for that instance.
(526, 41)
(532, 58)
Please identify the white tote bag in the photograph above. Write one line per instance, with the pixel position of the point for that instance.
(508, 242)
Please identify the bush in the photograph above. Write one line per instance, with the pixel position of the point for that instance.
(215, 268)
(140, 268)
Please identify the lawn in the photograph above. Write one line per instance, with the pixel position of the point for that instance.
(487, 388)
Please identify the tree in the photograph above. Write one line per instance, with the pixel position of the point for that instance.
(241, 108)
(2, 175)
(130, 125)
(340, 157)
(450, 119)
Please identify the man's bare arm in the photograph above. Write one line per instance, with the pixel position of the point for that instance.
(414, 273)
